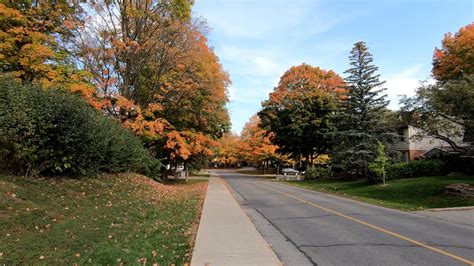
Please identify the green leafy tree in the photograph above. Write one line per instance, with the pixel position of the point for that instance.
(445, 110)
(300, 112)
(361, 125)
(380, 163)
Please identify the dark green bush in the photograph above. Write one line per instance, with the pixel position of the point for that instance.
(54, 132)
(417, 169)
(400, 170)
(410, 169)
(375, 174)
(317, 173)
(457, 163)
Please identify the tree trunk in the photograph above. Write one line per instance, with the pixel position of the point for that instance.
(164, 176)
(383, 173)
(186, 171)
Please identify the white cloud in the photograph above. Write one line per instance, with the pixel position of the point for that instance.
(403, 83)
(252, 62)
(256, 19)
(249, 95)
(259, 40)
(266, 66)
(265, 20)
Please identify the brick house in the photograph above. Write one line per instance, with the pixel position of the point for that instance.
(412, 147)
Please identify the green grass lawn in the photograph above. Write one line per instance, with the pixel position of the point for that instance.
(405, 194)
(202, 173)
(124, 219)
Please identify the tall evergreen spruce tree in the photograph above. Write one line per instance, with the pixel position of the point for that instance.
(362, 122)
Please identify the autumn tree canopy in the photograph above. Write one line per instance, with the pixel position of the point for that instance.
(256, 146)
(444, 110)
(146, 64)
(33, 43)
(300, 111)
(228, 152)
(252, 147)
(155, 71)
(455, 58)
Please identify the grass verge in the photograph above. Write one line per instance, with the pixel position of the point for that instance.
(202, 173)
(120, 219)
(405, 194)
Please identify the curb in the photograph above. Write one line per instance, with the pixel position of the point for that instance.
(467, 208)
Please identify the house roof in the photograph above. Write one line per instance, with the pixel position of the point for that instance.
(440, 150)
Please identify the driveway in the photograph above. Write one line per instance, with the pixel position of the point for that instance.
(307, 227)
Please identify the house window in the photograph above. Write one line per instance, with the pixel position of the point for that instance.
(405, 157)
(401, 136)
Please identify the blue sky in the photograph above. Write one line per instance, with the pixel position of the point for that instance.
(257, 40)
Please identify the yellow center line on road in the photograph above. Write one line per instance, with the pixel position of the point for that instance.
(453, 256)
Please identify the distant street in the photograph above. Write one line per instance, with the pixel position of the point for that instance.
(328, 230)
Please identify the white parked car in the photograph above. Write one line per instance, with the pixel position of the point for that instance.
(289, 171)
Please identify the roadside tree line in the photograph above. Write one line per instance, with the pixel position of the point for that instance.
(316, 114)
(145, 64)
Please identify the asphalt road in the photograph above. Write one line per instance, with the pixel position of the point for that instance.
(307, 227)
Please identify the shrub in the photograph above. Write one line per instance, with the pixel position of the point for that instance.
(410, 169)
(54, 132)
(417, 169)
(375, 174)
(377, 170)
(317, 173)
(457, 163)
(428, 168)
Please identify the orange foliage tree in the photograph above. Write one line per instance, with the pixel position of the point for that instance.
(228, 151)
(155, 71)
(444, 110)
(257, 148)
(145, 63)
(253, 147)
(456, 56)
(32, 44)
(300, 112)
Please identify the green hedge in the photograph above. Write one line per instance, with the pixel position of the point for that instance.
(53, 132)
(410, 169)
(317, 173)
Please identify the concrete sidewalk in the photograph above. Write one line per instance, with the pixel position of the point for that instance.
(226, 236)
